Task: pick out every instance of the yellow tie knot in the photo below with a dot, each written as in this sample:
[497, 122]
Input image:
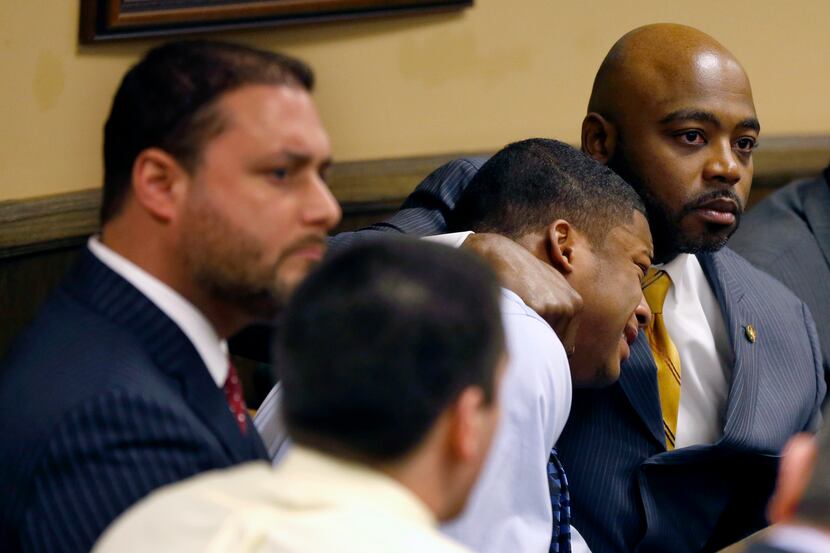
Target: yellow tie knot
[655, 287]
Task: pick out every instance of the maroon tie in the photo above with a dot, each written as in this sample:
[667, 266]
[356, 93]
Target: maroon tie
[233, 394]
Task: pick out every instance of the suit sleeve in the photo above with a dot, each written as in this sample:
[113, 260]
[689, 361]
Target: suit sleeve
[821, 386]
[103, 457]
[425, 211]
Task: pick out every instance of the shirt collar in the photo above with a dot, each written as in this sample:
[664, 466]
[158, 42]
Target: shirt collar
[676, 268]
[346, 483]
[211, 348]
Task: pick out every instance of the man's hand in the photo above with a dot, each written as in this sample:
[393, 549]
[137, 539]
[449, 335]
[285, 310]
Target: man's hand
[541, 286]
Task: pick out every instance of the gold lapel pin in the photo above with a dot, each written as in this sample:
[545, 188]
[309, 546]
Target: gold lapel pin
[749, 330]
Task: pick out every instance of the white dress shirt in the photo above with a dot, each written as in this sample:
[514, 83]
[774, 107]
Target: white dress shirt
[211, 348]
[509, 508]
[311, 503]
[696, 325]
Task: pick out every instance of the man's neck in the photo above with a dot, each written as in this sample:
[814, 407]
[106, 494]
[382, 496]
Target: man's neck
[152, 256]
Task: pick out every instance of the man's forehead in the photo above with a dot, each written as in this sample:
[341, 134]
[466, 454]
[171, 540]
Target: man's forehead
[634, 236]
[723, 102]
[276, 116]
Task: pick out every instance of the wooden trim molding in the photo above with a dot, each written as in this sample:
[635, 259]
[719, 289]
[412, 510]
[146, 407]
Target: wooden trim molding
[364, 188]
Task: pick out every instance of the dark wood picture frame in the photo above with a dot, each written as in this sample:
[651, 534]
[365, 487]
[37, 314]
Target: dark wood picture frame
[103, 20]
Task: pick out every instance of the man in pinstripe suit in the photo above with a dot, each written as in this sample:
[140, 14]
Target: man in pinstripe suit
[788, 236]
[672, 112]
[214, 208]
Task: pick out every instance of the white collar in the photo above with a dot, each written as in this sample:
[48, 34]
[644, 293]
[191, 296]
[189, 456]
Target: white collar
[211, 348]
[676, 268]
[332, 481]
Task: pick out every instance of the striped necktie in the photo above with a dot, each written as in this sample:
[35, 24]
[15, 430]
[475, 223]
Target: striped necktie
[655, 287]
[560, 501]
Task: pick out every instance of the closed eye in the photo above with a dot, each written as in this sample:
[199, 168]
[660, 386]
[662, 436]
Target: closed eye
[280, 173]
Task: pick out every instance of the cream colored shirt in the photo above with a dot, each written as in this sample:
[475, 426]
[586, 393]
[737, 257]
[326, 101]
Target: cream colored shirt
[695, 323]
[311, 503]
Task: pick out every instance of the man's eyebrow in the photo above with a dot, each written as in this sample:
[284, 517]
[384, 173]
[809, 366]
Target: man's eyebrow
[691, 115]
[298, 158]
[750, 123]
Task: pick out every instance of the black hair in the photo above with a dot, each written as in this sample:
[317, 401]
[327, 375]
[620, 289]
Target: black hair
[380, 340]
[166, 101]
[529, 184]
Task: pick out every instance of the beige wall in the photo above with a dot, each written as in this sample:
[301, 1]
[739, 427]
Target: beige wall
[503, 70]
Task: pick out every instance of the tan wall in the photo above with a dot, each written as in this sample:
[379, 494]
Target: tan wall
[503, 70]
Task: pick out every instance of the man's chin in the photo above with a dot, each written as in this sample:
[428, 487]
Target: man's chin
[705, 240]
[704, 244]
[601, 378]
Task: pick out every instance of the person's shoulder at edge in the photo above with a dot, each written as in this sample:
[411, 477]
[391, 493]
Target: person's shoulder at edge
[777, 221]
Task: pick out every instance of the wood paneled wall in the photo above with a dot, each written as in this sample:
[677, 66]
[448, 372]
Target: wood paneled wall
[40, 237]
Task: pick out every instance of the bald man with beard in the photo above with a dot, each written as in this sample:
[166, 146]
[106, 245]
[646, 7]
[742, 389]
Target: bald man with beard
[671, 110]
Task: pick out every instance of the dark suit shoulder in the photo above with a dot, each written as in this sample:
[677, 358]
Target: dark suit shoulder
[69, 353]
[778, 222]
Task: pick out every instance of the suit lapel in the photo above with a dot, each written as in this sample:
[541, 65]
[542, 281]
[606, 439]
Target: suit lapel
[817, 213]
[638, 380]
[728, 285]
[172, 352]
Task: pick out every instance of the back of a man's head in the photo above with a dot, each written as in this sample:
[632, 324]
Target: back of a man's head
[167, 100]
[529, 184]
[380, 341]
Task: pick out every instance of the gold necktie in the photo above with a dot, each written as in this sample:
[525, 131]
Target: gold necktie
[655, 287]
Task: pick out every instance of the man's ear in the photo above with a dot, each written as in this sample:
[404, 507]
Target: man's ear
[467, 417]
[599, 137]
[560, 239]
[158, 182]
[797, 463]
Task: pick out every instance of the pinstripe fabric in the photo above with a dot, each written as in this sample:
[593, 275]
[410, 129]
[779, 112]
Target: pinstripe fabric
[102, 400]
[627, 492]
[630, 494]
[788, 236]
[424, 212]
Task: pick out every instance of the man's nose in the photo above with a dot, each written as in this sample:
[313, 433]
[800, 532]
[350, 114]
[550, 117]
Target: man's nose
[723, 165]
[320, 207]
[643, 313]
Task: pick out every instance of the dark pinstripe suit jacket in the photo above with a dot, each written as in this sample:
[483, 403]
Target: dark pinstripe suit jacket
[788, 236]
[102, 400]
[627, 492]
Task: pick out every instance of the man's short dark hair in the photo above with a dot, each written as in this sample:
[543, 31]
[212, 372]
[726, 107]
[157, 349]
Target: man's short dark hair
[380, 340]
[167, 100]
[529, 184]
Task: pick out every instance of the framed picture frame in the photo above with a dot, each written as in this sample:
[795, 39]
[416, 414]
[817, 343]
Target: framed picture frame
[103, 20]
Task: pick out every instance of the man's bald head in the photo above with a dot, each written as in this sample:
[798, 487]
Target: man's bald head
[653, 58]
[671, 111]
